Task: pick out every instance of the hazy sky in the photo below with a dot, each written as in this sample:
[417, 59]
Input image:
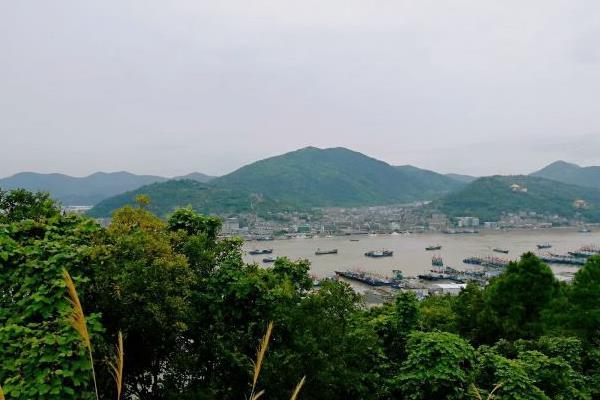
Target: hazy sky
[169, 87]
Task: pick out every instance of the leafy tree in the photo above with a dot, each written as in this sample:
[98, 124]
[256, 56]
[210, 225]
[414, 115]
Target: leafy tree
[394, 322]
[467, 307]
[143, 289]
[438, 366]
[554, 376]
[514, 301]
[494, 369]
[583, 313]
[437, 313]
[42, 357]
[19, 204]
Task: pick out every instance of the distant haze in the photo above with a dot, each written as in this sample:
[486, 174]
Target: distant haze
[167, 87]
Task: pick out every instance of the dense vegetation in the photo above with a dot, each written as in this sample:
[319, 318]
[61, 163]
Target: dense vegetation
[489, 197]
[571, 173]
[192, 315]
[302, 179]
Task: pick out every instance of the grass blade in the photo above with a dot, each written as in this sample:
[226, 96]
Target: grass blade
[297, 389]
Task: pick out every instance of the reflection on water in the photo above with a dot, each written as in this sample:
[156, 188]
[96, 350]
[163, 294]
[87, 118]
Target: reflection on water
[410, 255]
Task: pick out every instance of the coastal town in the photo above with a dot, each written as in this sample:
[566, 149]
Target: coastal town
[408, 218]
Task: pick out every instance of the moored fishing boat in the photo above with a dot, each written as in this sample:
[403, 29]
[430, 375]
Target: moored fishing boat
[379, 253]
[320, 252]
[435, 247]
[499, 250]
[257, 252]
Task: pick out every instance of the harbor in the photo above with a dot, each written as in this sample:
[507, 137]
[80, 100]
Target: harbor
[410, 256]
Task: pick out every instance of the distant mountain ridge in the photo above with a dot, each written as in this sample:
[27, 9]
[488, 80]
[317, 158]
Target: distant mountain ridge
[571, 173]
[305, 178]
[87, 190]
[462, 178]
[489, 197]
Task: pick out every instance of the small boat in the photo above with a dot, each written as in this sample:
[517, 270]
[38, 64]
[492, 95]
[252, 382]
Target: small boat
[544, 246]
[584, 229]
[256, 252]
[354, 240]
[379, 253]
[436, 247]
[320, 252]
[268, 260]
[499, 250]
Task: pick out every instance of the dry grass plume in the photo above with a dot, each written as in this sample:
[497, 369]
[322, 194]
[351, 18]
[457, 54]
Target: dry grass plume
[77, 321]
[117, 365]
[297, 389]
[260, 357]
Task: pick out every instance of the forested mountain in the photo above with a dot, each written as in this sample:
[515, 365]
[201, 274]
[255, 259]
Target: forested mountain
[196, 176]
[71, 190]
[87, 190]
[173, 194]
[461, 177]
[313, 177]
[301, 179]
[487, 198]
[571, 173]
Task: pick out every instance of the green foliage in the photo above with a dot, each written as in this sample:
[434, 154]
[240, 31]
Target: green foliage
[437, 313]
[19, 205]
[489, 197]
[467, 309]
[192, 314]
[493, 369]
[42, 357]
[514, 301]
[438, 366]
[583, 311]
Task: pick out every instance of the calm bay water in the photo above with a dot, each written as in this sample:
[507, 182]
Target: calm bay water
[410, 255]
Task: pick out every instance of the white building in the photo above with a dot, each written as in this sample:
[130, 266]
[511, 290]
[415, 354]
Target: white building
[447, 288]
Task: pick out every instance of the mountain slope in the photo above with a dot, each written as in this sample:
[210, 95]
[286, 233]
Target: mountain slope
[79, 191]
[196, 176]
[312, 177]
[571, 173]
[301, 179]
[487, 198]
[434, 183]
[461, 178]
[168, 196]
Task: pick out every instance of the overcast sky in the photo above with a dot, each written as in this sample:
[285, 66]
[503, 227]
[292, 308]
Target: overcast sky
[169, 87]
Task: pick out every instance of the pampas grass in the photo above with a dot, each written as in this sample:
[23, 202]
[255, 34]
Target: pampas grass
[297, 389]
[260, 357]
[117, 366]
[476, 393]
[77, 321]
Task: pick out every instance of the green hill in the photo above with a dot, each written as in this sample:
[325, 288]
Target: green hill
[71, 190]
[461, 177]
[571, 173]
[312, 177]
[171, 195]
[87, 190]
[301, 179]
[487, 198]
